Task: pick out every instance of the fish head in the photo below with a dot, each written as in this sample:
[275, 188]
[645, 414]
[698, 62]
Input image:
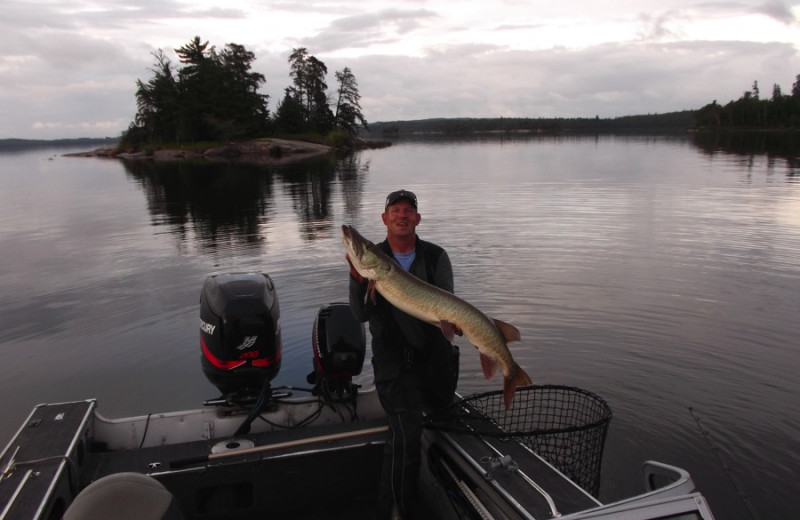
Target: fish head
[366, 257]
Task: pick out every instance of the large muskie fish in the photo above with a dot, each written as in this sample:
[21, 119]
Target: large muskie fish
[438, 307]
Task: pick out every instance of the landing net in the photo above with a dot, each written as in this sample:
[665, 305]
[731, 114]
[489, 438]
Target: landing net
[566, 426]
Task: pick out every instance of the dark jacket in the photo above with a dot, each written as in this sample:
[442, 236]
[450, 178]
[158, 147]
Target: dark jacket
[395, 333]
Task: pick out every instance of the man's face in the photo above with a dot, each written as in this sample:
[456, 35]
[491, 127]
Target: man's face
[401, 218]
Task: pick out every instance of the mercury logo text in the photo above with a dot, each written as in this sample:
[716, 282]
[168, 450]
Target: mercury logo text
[207, 327]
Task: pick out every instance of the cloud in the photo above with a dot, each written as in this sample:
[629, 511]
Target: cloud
[72, 67]
[369, 29]
[610, 80]
[214, 13]
[657, 27]
[777, 10]
[518, 27]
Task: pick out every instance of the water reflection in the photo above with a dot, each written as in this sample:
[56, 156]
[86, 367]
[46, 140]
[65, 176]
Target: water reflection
[310, 186]
[233, 205]
[747, 149]
[641, 268]
[775, 147]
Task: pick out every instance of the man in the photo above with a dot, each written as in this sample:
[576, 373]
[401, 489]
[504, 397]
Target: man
[416, 367]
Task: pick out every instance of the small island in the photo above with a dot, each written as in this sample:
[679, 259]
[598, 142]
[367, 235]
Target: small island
[210, 108]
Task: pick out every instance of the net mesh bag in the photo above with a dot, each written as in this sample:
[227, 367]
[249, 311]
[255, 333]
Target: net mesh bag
[566, 426]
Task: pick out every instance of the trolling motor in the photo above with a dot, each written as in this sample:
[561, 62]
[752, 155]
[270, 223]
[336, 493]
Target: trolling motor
[339, 342]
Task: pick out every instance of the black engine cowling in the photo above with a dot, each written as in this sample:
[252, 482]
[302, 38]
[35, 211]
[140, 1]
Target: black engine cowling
[240, 333]
[339, 343]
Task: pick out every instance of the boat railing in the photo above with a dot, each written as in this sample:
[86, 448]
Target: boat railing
[670, 493]
[666, 480]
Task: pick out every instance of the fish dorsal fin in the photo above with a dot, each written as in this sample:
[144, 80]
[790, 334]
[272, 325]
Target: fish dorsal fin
[509, 332]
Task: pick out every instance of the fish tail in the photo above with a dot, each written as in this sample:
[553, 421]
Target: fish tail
[517, 378]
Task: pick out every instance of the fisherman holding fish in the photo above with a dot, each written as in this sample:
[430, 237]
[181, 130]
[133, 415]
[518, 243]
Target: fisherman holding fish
[415, 365]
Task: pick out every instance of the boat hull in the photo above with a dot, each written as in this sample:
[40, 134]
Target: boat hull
[305, 458]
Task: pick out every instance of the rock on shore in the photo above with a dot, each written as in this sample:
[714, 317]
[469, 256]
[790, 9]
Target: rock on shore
[261, 151]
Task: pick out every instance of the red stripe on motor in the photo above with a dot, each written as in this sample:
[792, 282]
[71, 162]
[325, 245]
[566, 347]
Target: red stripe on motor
[265, 362]
[230, 365]
[219, 363]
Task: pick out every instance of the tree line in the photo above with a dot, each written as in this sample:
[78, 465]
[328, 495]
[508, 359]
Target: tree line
[214, 96]
[24, 144]
[671, 122]
[752, 111]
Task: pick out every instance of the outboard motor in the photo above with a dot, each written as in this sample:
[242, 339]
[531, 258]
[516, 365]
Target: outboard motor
[339, 343]
[240, 334]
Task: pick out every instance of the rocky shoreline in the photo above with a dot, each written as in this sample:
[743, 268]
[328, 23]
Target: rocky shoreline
[261, 151]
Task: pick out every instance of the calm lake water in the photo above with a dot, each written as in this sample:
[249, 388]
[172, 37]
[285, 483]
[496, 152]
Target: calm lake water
[662, 273]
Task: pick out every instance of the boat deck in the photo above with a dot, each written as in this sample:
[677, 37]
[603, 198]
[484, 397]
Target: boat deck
[298, 473]
[40, 462]
[331, 470]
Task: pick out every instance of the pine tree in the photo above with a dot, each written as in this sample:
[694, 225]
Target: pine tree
[348, 108]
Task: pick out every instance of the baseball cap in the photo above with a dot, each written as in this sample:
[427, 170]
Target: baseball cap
[401, 194]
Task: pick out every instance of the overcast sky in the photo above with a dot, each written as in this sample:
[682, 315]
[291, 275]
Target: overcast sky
[69, 68]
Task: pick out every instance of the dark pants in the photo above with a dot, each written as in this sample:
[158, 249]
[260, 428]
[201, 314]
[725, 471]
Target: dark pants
[418, 387]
